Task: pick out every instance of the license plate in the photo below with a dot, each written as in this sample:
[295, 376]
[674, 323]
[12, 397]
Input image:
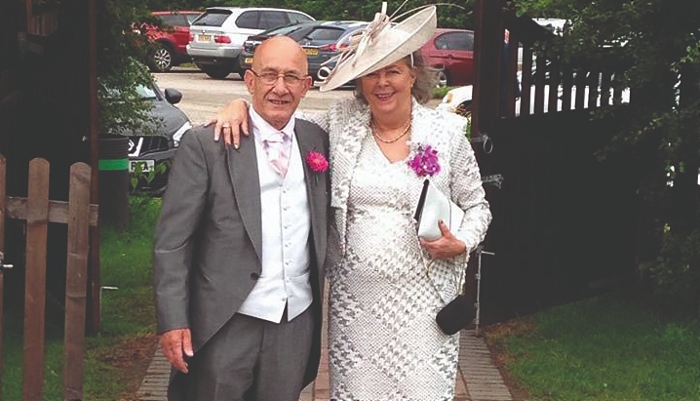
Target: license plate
[145, 165]
[248, 60]
[311, 52]
[204, 38]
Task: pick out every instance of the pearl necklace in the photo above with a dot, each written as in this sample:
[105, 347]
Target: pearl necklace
[392, 140]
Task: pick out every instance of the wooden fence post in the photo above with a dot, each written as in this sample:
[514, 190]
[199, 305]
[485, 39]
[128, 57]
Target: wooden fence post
[35, 287]
[76, 280]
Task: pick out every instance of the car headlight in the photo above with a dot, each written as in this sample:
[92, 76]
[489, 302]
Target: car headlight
[180, 132]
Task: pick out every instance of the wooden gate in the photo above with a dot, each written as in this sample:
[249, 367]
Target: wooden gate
[565, 223]
[38, 211]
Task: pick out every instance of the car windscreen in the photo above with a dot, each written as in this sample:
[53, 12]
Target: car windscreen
[325, 33]
[299, 34]
[271, 19]
[174, 20]
[146, 93]
[282, 30]
[455, 41]
[212, 18]
[143, 93]
[296, 18]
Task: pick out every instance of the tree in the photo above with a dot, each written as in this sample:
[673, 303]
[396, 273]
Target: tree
[121, 52]
[658, 44]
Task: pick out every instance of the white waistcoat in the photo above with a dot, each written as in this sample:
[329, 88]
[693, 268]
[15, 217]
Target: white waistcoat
[286, 225]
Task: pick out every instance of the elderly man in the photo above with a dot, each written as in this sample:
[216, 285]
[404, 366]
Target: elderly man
[240, 246]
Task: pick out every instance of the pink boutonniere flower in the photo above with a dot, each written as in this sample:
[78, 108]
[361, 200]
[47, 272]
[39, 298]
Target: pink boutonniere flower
[317, 162]
[425, 161]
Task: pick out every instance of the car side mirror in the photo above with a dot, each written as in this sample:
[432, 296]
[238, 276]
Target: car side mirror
[173, 96]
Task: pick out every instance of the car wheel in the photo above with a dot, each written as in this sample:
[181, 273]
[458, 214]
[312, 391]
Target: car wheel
[216, 72]
[442, 79]
[162, 59]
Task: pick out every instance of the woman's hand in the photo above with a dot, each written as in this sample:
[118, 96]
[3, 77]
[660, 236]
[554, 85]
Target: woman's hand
[445, 247]
[230, 122]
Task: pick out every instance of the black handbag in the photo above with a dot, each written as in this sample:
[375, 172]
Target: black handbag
[456, 315]
[433, 205]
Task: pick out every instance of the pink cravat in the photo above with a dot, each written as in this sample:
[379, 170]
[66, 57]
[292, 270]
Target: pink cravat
[278, 147]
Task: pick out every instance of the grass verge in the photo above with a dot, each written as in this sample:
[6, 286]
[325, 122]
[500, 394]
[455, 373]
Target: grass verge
[117, 358]
[608, 348]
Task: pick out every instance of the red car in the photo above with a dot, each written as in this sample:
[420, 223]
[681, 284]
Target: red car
[171, 39]
[452, 52]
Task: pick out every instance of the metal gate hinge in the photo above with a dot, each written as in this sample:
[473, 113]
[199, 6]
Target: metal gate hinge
[494, 179]
[4, 265]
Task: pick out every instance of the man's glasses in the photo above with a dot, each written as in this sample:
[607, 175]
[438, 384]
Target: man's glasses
[270, 78]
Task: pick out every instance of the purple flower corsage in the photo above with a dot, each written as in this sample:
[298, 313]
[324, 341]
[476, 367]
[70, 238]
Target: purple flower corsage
[425, 161]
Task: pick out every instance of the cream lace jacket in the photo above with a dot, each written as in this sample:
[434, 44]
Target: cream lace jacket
[348, 122]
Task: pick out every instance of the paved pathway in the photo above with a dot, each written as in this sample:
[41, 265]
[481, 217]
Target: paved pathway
[477, 379]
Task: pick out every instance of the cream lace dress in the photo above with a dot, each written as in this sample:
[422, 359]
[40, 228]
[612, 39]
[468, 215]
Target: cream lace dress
[384, 343]
[383, 339]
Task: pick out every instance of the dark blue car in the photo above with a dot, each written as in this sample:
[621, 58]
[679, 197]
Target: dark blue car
[319, 40]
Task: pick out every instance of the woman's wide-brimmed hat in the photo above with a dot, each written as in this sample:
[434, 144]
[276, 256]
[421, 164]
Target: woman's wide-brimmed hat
[381, 43]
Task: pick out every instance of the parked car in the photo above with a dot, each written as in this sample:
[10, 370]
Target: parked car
[171, 38]
[319, 39]
[457, 100]
[452, 52]
[152, 147]
[217, 36]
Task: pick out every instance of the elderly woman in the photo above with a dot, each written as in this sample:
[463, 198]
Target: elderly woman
[387, 284]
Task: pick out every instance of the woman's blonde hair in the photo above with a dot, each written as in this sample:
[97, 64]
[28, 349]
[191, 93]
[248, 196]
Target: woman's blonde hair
[426, 78]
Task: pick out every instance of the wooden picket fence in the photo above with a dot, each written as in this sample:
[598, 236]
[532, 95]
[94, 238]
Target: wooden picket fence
[38, 211]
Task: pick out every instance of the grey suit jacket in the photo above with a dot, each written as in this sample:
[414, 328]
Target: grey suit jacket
[208, 241]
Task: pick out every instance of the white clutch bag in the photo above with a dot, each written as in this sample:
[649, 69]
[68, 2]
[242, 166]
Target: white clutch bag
[433, 206]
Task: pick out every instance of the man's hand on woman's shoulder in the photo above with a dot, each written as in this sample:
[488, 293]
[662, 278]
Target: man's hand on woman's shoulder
[230, 122]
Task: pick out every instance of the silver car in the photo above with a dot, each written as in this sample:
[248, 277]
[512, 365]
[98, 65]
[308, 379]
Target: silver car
[217, 36]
